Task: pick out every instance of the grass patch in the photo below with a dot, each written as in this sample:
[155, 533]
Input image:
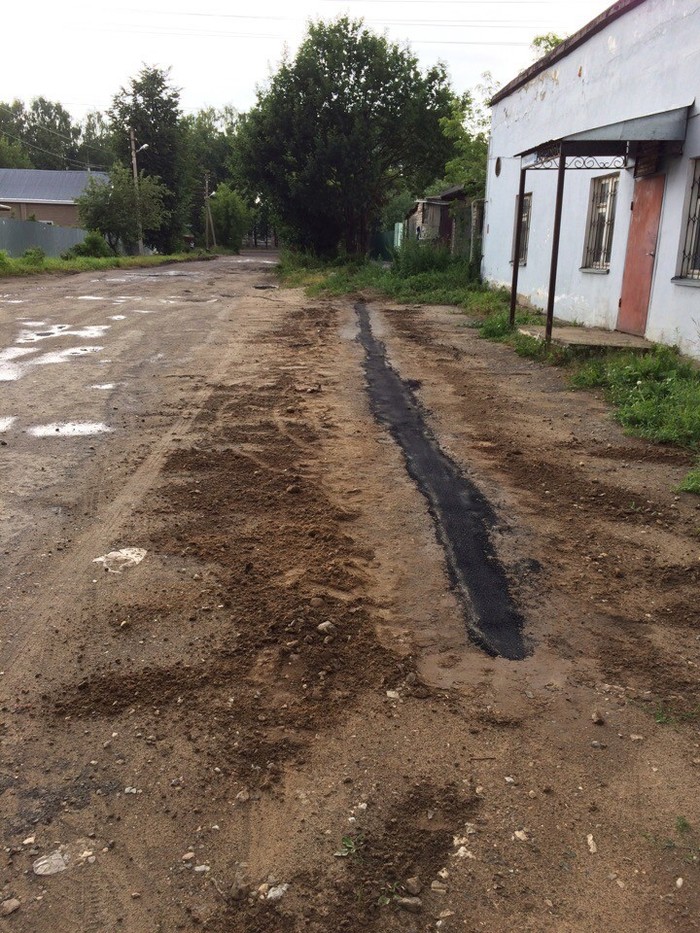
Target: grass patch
[36, 262]
[656, 396]
[420, 274]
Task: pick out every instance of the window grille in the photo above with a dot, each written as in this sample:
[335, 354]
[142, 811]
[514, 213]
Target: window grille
[601, 223]
[690, 260]
[524, 227]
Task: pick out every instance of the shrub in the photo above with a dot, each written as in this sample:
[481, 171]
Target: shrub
[34, 256]
[4, 259]
[93, 245]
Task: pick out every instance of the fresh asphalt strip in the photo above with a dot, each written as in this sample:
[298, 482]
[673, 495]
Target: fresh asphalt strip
[462, 515]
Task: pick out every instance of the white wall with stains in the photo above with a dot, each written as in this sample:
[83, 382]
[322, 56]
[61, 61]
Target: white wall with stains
[646, 61]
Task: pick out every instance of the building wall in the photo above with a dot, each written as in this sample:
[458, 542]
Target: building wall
[63, 215]
[646, 61]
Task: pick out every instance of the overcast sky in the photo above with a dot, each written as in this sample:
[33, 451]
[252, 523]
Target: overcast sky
[81, 53]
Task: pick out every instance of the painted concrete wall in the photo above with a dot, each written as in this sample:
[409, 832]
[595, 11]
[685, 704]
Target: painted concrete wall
[645, 62]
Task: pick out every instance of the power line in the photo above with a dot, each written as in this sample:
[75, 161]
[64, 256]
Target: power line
[65, 138]
[55, 155]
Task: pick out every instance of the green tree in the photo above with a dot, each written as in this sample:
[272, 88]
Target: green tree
[231, 217]
[12, 154]
[338, 130]
[209, 137]
[113, 210]
[546, 43]
[468, 128]
[13, 122]
[150, 105]
[51, 135]
[95, 148]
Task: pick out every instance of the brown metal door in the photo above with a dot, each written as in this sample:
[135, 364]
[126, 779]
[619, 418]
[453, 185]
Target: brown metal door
[641, 250]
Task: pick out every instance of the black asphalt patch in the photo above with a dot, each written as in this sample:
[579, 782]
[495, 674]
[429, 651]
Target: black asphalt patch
[462, 515]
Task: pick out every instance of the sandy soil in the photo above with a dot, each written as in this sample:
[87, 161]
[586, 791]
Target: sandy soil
[202, 755]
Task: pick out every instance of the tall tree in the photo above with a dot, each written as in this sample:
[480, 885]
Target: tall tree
[51, 135]
[95, 148]
[209, 137]
[337, 128]
[13, 123]
[150, 105]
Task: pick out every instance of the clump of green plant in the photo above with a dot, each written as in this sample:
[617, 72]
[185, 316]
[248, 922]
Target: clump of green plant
[5, 260]
[350, 847]
[94, 245]
[413, 258]
[691, 482]
[657, 396]
[34, 256]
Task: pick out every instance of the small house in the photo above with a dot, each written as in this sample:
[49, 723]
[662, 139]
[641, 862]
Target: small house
[46, 196]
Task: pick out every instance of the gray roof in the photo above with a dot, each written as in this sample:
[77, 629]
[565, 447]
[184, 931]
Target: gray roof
[41, 186]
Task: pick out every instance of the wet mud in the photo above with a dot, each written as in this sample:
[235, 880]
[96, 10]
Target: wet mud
[463, 517]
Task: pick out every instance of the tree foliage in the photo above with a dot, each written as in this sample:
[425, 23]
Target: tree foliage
[468, 128]
[13, 155]
[150, 105]
[209, 137]
[51, 134]
[338, 130]
[112, 208]
[544, 44]
[231, 217]
[44, 136]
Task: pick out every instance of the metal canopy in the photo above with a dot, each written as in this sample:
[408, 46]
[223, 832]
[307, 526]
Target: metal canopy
[645, 138]
[612, 140]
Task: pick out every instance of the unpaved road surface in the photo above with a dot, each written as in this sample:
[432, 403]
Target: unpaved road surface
[196, 753]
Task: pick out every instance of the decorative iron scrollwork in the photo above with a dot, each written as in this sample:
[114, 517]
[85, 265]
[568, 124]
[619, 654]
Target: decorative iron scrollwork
[549, 162]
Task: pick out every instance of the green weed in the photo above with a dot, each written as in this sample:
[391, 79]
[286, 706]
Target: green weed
[34, 265]
[657, 396]
[350, 847]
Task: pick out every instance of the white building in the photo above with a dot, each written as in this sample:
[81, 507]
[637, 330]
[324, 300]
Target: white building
[613, 112]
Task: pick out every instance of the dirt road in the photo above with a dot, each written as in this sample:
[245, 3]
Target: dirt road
[277, 721]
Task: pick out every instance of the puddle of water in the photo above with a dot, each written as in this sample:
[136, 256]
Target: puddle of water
[61, 356]
[142, 310]
[34, 336]
[117, 317]
[265, 262]
[10, 372]
[90, 298]
[6, 423]
[70, 429]
[462, 515]
[12, 301]
[104, 385]
[27, 323]
[13, 353]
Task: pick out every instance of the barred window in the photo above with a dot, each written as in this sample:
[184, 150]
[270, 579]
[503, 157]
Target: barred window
[601, 223]
[690, 259]
[524, 227]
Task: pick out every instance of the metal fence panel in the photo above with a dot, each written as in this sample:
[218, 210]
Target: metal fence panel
[18, 235]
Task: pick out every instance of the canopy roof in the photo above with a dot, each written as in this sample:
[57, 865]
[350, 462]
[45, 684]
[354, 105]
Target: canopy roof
[668, 126]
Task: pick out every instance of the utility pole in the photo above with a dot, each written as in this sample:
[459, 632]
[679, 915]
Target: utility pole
[208, 219]
[135, 170]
